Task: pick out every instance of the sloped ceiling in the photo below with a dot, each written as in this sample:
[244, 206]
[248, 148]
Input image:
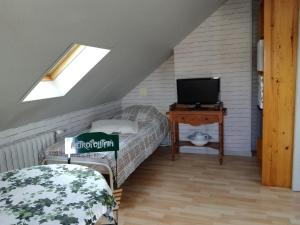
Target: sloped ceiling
[140, 33]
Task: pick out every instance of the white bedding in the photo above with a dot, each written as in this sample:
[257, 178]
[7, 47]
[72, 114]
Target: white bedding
[115, 125]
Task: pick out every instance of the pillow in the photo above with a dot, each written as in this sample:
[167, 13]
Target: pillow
[140, 113]
[114, 125]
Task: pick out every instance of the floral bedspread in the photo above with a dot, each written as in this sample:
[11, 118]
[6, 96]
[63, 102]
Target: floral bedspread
[55, 194]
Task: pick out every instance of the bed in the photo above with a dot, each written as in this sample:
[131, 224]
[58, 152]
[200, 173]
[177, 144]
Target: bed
[134, 148]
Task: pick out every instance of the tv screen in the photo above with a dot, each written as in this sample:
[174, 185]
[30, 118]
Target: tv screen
[198, 91]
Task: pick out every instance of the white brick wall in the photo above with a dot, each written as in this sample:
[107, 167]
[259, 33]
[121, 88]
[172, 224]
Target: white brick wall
[70, 123]
[160, 87]
[221, 46]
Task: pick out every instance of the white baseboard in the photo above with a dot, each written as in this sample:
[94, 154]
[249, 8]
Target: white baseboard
[239, 153]
[210, 151]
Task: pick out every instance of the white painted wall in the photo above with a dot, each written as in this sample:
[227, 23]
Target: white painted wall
[221, 45]
[140, 34]
[296, 163]
[71, 123]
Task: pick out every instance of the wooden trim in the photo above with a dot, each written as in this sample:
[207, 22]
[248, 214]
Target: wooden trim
[261, 20]
[63, 62]
[280, 61]
[259, 151]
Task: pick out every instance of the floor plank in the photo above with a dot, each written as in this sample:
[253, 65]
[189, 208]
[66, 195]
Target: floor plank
[195, 189]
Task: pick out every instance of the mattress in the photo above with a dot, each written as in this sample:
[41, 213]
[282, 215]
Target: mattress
[134, 148]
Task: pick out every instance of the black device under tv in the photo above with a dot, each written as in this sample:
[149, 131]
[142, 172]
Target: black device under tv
[198, 91]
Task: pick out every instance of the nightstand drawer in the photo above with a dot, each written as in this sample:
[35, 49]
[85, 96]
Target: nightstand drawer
[196, 120]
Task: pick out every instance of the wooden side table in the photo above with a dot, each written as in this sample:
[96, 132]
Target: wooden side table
[195, 117]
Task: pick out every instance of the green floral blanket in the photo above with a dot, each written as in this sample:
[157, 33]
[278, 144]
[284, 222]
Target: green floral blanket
[54, 194]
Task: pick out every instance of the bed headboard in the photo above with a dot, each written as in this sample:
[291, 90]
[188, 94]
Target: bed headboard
[25, 153]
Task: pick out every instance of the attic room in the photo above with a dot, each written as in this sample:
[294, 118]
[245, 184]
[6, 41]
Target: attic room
[143, 112]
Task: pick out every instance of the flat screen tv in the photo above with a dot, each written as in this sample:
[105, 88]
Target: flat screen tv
[198, 91]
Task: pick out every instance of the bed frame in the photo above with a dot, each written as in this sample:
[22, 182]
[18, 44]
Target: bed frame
[101, 168]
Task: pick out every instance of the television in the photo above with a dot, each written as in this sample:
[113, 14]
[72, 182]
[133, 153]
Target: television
[198, 91]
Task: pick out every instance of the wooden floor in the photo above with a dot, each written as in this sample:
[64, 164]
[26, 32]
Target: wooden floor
[195, 189]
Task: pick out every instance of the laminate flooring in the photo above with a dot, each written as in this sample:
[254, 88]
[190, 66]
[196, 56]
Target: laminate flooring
[195, 189]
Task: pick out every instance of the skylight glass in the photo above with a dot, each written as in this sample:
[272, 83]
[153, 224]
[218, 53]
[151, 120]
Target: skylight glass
[67, 72]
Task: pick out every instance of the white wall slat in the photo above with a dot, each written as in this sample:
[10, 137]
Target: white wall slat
[221, 45]
[70, 123]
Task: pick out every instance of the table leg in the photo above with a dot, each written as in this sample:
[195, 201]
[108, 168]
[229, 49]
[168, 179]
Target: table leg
[173, 140]
[221, 142]
[177, 137]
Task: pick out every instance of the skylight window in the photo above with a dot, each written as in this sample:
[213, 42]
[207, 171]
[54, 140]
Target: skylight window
[67, 72]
